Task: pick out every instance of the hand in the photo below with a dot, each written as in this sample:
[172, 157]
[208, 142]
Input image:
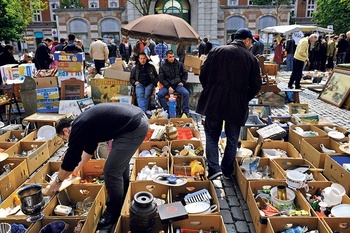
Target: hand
[137, 83]
[308, 63]
[171, 90]
[180, 84]
[76, 172]
[54, 187]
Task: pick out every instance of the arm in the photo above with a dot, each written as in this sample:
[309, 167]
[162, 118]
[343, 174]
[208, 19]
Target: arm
[106, 52]
[133, 78]
[162, 78]
[184, 73]
[85, 157]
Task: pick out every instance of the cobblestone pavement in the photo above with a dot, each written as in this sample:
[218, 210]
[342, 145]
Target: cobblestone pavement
[233, 208]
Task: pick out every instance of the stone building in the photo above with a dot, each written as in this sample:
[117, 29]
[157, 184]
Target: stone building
[217, 19]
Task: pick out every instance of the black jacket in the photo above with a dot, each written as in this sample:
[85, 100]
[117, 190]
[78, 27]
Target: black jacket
[112, 50]
[151, 70]
[230, 77]
[72, 48]
[7, 58]
[122, 50]
[42, 57]
[290, 46]
[171, 74]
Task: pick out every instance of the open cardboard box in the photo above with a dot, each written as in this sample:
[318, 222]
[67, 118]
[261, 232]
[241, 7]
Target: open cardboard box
[148, 145]
[13, 179]
[35, 159]
[178, 145]
[337, 224]
[10, 134]
[141, 162]
[243, 182]
[204, 222]
[311, 150]
[93, 169]
[337, 173]
[296, 139]
[338, 128]
[284, 163]
[181, 166]
[286, 146]
[27, 225]
[71, 223]
[178, 193]
[43, 173]
[157, 190]
[78, 193]
[123, 225]
[259, 220]
[278, 224]
[53, 144]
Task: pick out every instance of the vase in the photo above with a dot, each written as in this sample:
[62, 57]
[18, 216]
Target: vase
[32, 202]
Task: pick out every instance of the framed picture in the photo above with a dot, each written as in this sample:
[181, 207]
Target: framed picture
[85, 104]
[298, 108]
[337, 88]
[254, 101]
[260, 110]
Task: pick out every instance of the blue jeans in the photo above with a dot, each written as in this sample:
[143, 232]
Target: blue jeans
[289, 61]
[179, 89]
[143, 95]
[213, 128]
[116, 169]
[112, 60]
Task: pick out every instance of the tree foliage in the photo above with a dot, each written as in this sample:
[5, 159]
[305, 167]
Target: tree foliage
[15, 15]
[142, 6]
[333, 12]
[71, 4]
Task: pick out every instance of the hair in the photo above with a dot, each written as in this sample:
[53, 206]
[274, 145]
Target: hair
[62, 40]
[348, 33]
[205, 39]
[71, 37]
[9, 47]
[169, 52]
[143, 54]
[63, 123]
[314, 36]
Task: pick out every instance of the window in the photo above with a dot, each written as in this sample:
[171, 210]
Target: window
[53, 5]
[93, 4]
[310, 8]
[232, 2]
[112, 3]
[233, 24]
[110, 29]
[36, 16]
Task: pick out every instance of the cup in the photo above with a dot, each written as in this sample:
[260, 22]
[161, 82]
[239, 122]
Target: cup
[282, 192]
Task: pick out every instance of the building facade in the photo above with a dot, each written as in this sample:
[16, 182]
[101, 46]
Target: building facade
[216, 19]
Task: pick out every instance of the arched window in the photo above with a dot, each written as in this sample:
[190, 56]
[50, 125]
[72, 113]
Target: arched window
[179, 8]
[79, 28]
[233, 24]
[110, 29]
[267, 21]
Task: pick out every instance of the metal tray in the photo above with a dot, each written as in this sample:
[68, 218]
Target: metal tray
[254, 121]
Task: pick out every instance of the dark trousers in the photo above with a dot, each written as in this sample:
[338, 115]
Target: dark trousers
[297, 73]
[213, 129]
[98, 65]
[330, 63]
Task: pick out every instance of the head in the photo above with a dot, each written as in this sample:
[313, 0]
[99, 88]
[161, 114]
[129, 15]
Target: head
[283, 41]
[244, 35]
[257, 37]
[80, 43]
[342, 36]
[170, 56]
[109, 41]
[348, 35]
[63, 128]
[10, 48]
[100, 39]
[313, 38]
[62, 40]
[142, 58]
[205, 39]
[48, 42]
[71, 37]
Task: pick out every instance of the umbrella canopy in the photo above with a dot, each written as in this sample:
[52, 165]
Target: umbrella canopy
[287, 29]
[161, 27]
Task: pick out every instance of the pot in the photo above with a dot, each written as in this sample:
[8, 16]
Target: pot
[201, 207]
[296, 179]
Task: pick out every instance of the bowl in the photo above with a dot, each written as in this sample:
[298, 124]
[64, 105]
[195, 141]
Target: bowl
[275, 201]
[295, 179]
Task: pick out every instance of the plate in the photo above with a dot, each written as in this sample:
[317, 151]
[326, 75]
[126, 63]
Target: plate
[342, 210]
[244, 152]
[197, 207]
[160, 179]
[3, 156]
[336, 135]
[46, 132]
[345, 148]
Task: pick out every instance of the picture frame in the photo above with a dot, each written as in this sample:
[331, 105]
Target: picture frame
[337, 88]
[85, 104]
[298, 109]
[260, 110]
[254, 101]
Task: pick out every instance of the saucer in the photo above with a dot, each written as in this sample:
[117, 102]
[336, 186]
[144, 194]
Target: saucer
[345, 148]
[336, 135]
[342, 210]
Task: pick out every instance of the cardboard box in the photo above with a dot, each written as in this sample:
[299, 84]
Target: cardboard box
[68, 57]
[193, 62]
[282, 121]
[123, 225]
[334, 224]
[71, 223]
[93, 169]
[157, 145]
[97, 193]
[260, 221]
[243, 181]
[27, 69]
[286, 146]
[47, 93]
[46, 82]
[102, 90]
[284, 163]
[311, 150]
[179, 145]
[53, 144]
[13, 179]
[11, 134]
[35, 159]
[179, 192]
[10, 73]
[157, 190]
[181, 167]
[204, 222]
[141, 162]
[337, 173]
[42, 174]
[115, 73]
[337, 127]
[70, 66]
[296, 139]
[278, 224]
[27, 225]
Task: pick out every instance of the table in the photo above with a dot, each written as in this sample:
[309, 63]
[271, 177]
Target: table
[45, 118]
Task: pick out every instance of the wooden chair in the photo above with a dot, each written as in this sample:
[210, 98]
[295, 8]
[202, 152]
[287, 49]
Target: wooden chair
[8, 90]
[268, 85]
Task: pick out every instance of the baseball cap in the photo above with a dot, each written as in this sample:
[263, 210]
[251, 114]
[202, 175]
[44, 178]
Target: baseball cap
[256, 36]
[48, 39]
[243, 33]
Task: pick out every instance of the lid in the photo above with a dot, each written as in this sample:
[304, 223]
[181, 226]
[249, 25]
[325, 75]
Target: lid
[197, 207]
[296, 176]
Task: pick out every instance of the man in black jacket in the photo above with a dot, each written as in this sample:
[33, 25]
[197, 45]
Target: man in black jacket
[71, 47]
[112, 48]
[61, 45]
[42, 55]
[230, 77]
[173, 76]
[144, 78]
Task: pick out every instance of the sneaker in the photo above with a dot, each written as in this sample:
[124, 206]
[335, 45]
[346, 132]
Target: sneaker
[290, 87]
[107, 218]
[215, 175]
[227, 177]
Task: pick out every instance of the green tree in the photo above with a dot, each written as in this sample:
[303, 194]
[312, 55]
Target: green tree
[71, 4]
[142, 6]
[333, 12]
[15, 15]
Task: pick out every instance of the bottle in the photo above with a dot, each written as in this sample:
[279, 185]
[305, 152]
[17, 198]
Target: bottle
[172, 106]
